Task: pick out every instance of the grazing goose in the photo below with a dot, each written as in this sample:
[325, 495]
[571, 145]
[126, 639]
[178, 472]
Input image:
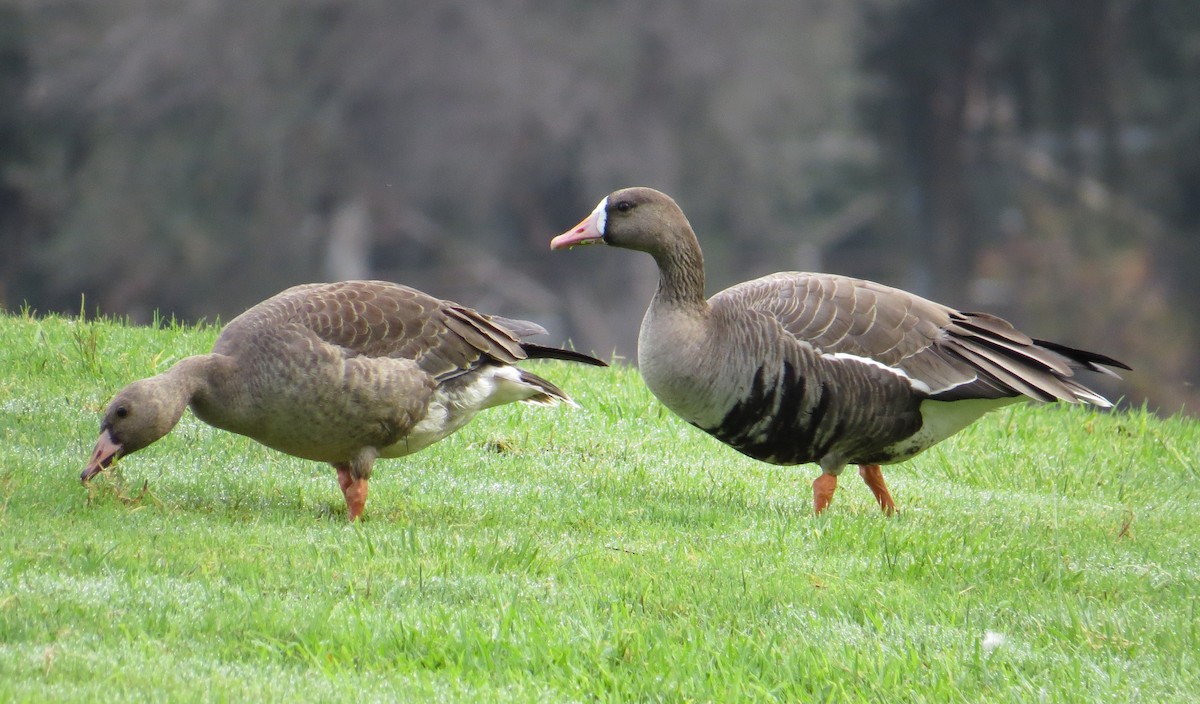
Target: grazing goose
[342, 373]
[797, 367]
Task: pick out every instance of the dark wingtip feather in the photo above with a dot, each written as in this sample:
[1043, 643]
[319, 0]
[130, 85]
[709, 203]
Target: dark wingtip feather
[543, 352]
[1088, 360]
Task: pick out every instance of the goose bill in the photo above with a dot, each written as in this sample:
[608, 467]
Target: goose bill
[589, 231]
[103, 454]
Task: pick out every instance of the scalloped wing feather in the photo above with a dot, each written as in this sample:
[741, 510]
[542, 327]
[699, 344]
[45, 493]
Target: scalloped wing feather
[956, 355]
[383, 319]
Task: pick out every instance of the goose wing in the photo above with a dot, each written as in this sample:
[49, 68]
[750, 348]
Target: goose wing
[949, 354]
[378, 319]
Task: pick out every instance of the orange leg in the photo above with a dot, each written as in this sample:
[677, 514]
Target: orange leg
[823, 488]
[873, 476]
[355, 491]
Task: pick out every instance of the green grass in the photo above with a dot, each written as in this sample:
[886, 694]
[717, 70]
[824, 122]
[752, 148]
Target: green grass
[612, 553]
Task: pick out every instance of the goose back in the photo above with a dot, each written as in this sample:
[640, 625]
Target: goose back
[947, 354]
[378, 319]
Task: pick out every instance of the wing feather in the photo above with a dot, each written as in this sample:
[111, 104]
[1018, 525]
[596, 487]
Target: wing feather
[382, 319]
[957, 355]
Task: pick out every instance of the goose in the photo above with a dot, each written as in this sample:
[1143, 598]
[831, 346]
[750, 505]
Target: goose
[796, 368]
[343, 373]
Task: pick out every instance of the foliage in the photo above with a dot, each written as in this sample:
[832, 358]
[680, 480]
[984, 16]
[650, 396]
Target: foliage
[205, 155]
[1029, 158]
[611, 553]
[1039, 150]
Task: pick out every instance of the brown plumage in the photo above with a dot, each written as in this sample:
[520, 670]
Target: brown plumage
[797, 367]
[342, 373]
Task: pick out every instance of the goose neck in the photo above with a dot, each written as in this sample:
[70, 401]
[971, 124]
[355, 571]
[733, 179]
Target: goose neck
[196, 376]
[681, 275]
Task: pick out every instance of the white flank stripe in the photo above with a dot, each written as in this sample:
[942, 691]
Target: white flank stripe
[944, 389]
[846, 357]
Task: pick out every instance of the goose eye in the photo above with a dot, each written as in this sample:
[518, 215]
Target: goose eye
[122, 411]
[624, 206]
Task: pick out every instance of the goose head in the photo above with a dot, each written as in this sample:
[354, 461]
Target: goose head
[139, 415]
[642, 219]
[649, 221]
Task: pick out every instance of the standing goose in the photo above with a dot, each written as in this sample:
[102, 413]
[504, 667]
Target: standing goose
[342, 373]
[798, 367]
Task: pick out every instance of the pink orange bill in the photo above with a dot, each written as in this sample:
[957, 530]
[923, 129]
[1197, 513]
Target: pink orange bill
[103, 454]
[589, 231]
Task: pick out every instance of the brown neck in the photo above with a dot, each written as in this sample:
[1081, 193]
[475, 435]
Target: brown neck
[197, 376]
[681, 272]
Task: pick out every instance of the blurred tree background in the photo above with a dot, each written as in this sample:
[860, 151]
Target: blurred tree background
[1039, 159]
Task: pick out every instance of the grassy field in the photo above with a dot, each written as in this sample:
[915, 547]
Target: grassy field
[611, 553]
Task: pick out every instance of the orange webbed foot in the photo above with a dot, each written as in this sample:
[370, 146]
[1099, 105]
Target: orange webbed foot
[823, 488]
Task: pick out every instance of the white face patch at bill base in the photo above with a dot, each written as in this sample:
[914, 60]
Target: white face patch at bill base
[846, 357]
[601, 215]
